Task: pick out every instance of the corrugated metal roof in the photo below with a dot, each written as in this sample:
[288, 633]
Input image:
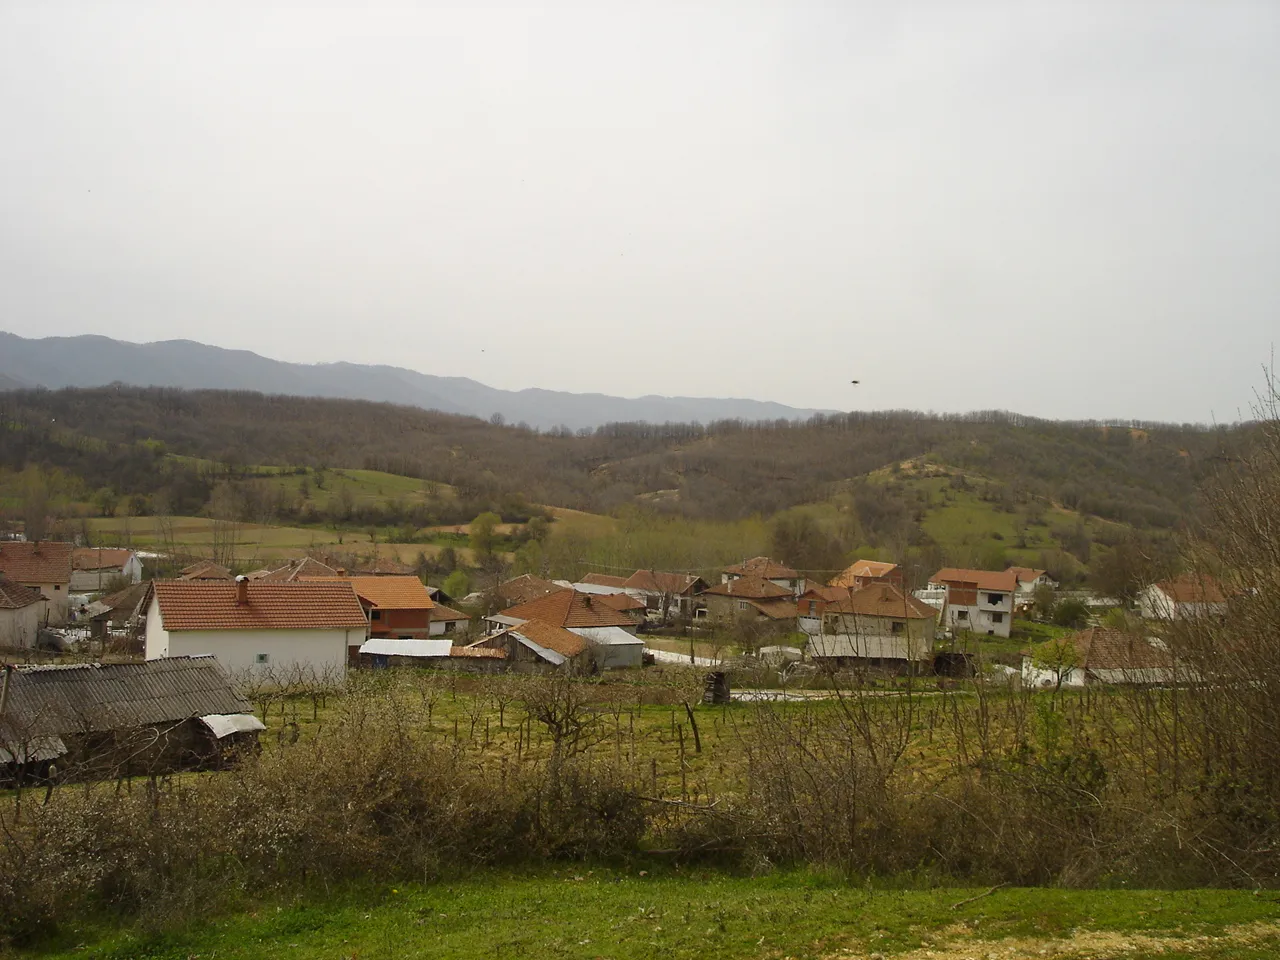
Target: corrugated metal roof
[391, 647]
[607, 636]
[78, 698]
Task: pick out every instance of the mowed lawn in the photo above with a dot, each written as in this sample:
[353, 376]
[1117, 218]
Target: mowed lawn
[661, 911]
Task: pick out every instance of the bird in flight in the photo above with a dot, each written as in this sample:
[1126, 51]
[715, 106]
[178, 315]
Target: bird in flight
[855, 382]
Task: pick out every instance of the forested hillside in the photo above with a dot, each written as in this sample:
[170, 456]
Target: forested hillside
[1143, 475]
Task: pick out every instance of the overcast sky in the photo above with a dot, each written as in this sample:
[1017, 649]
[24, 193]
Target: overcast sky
[1067, 209]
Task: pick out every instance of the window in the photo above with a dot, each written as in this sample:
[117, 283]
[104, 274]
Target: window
[743, 605]
[262, 658]
[898, 626]
[995, 599]
[813, 608]
[376, 615]
[997, 618]
[57, 586]
[962, 614]
[448, 626]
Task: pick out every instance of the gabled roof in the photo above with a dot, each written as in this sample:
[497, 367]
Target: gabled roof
[14, 596]
[100, 558]
[306, 568]
[550, 637]
[204, 570]
[762, 567]
[386, 567]
[1026, 574]
[441, 613]
[125, 602]
[749, 588]
[300, 605]
[84, 697]
[1102, 648]
[40, 561]
[861, 568]
[1004, 581]
[604, 580]
[883, 600]
[568, 608]
[782, 608]
[1193, 588]
[524, 588]
[817, 591]
[659, 581]
[619, 601]
[390, 593]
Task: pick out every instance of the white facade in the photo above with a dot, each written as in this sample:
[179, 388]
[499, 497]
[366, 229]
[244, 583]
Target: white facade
[18, 628]
[95, 581]
[612, 647]
[1155, 604]
[991, 615]
[323, 650]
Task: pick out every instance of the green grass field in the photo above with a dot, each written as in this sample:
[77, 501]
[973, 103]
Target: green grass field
[643, 911]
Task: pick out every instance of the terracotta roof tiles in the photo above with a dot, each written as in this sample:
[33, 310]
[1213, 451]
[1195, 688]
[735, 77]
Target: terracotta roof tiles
[43, 561]
[861, 569]
[1193, 588]
[749, 588]
[1005, 581]
[568, 608]
[100, 558]
[14, 596]
[762, 567]
[883, 600]
[389, 592]
[300, 605]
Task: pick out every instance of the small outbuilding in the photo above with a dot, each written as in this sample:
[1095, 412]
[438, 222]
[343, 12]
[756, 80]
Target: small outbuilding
[94, 720]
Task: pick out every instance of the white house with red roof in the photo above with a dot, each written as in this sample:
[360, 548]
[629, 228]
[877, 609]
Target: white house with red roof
[1181, 598]
[251, 625]
[93, 568]
[978, 600]
[43, 565]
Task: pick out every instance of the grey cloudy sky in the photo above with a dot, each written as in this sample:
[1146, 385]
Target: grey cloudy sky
[1068, 209]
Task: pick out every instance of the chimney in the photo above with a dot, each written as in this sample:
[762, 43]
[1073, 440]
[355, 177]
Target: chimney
[342, 571]
[242, 591]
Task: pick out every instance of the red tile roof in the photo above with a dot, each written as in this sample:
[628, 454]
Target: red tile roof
[762, 567]
[204, 570]
[619, 601]
[1027, 574]
[99, 558]
[883, 600]
[478, 652]
[524, 588]
[749, 588]
[568, 608]
[300, 605]
[861, 569]
[386, 567]
[1005, 581]
[604, 580]
[816, 591]
[552, 637]
[440, 613]
[390, 593]
[1193, 588]
[783, 608]
[1102, 648]
[14, 596]
[43, 561]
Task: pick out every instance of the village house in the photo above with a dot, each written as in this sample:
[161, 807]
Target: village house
[862, 573]
[1029, 581]
[92, 720]
[749, 597]
[22, 614]
[397, 607]
[251, 626]
[205, 570]
[1098, 655]
[978, 600]
[123, 611]
[665, 595]
[766, 569]
[537, 645]
[1184, 597]
[878, 624]
[43, 565]
[385, 567]
[446, 621]
[566, 608]
[93, 569]
[524, 589]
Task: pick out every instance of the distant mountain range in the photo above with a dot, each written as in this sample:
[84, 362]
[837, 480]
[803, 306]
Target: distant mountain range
[91, 361]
